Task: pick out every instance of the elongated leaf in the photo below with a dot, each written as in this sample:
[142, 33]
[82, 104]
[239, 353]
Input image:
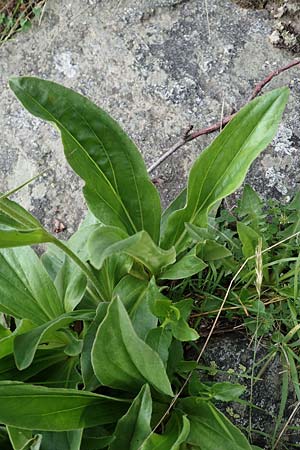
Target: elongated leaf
[43, 360]
[118, 189]
[26, 290]
[221, 168]
[95, 439]
[249, 239]
[160, 339]
[178, 203]
[71, 284]
[136, 295]
[89, 379]
[120, 365]
[176, 433]
[106, 241]
[251, 206]
[211, 251]
[7, 343]
[210, 429]
[65, 440]
[114, 269]
[133, 428]
[26, 345]
[186, 267]
[23, 439]
[35, 407]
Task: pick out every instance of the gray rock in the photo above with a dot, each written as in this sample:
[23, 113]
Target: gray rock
[230, 357]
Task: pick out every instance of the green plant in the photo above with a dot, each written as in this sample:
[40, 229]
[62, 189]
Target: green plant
[91, 352]
[17, 16]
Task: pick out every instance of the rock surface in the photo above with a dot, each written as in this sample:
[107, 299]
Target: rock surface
[230, 357]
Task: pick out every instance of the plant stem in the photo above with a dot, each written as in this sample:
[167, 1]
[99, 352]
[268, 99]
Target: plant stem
[85, 269]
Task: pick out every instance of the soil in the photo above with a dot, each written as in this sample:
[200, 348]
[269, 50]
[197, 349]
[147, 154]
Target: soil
[286, 15]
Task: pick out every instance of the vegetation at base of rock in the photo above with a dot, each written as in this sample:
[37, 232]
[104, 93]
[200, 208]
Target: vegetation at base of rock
[94, 332]
[17, 15]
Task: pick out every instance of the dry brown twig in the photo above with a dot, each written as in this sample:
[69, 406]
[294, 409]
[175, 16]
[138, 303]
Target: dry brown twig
[190, 136]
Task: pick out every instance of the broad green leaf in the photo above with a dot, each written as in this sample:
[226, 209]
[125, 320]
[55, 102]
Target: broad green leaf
[53, 260]
[221, 168]
[198, 234]
[118, 189]
[7, 343]
[136, 295]
[186, 267]
[95, 439]
[71, 284]
[160, 339]
[223, 391]
[114, 269]
[64, 374]
[211, 251]
[127, 363]
[26, 345]
[43, 361]
[210, 429]
[107, 241]
[133, 428]
[178, 203]
[89, 379]
[23, 439]
[49, 409]
[251, 206]
[249, 239]
[183, 332]
[65, 440]
[177, 431]
[26, 290]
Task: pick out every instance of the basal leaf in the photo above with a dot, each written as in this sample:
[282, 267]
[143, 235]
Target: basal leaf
[187, 266]
[127, 363]
[249, 239]
[136, 295]
[210, 429]
[36, 407]
[107, 241]
[176, 433]
[118, 189]
[25, 345]
[26, 290]
[71, 284]
[211, 251]
[7, 343]
[23, 439]
[64, 440]
[221, 168]
[133, 428]
[89, 379]
[160, 339]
